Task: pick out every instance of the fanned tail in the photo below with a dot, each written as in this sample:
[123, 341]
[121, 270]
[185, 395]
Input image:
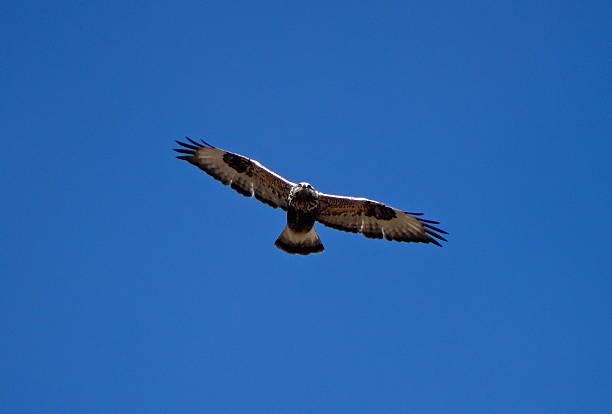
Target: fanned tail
[299, 243]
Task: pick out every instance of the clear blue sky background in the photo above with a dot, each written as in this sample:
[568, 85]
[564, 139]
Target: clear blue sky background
[133, 283]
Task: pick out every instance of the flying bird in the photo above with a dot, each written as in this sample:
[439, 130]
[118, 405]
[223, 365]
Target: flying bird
[305, 205]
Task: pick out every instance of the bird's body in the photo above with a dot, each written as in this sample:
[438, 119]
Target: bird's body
[305, 205]
[300, 236]
[302, 210]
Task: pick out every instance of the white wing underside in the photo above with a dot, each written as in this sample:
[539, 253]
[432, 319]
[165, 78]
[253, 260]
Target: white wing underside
[248, 177]
[375, 220]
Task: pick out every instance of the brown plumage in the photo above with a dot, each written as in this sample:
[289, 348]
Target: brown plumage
[305, 205]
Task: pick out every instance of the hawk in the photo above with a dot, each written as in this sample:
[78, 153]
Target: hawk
[305, 205]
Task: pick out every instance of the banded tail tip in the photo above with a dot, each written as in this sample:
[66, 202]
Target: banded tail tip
[293, 242]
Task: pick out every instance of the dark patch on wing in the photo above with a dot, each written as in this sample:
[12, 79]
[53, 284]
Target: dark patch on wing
[238, 163]
[379, 211]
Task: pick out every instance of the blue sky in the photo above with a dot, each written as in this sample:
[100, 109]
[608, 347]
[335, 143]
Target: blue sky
[132, 282]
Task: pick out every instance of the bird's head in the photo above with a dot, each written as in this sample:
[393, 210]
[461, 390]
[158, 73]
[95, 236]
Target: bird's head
[305, 185]
[305, 188]
[303, 196]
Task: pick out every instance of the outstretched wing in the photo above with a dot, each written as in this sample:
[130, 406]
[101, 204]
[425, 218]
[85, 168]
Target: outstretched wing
[375, 220]
[246, 176]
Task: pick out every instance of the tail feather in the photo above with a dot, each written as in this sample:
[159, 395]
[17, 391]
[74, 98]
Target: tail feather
[299, 243]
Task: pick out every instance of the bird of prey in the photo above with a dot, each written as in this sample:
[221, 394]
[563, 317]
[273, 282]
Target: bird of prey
[305, 205]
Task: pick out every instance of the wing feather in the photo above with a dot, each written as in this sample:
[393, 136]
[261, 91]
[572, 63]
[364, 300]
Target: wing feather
[375, 220]
[246, 176]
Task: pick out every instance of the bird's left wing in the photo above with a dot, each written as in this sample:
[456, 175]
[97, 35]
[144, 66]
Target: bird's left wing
[375, 220]
[246, 176]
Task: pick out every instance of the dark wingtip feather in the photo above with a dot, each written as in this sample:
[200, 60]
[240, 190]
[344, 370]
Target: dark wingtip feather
[183, 151]
[197, 144]
[434, 241]
[428, 227]
[428, 221]
[184, 144]
[436, 235]
[206, 143]
[183, 157]
[435, 228]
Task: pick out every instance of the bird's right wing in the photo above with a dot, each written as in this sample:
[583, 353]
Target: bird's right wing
[246, 176]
